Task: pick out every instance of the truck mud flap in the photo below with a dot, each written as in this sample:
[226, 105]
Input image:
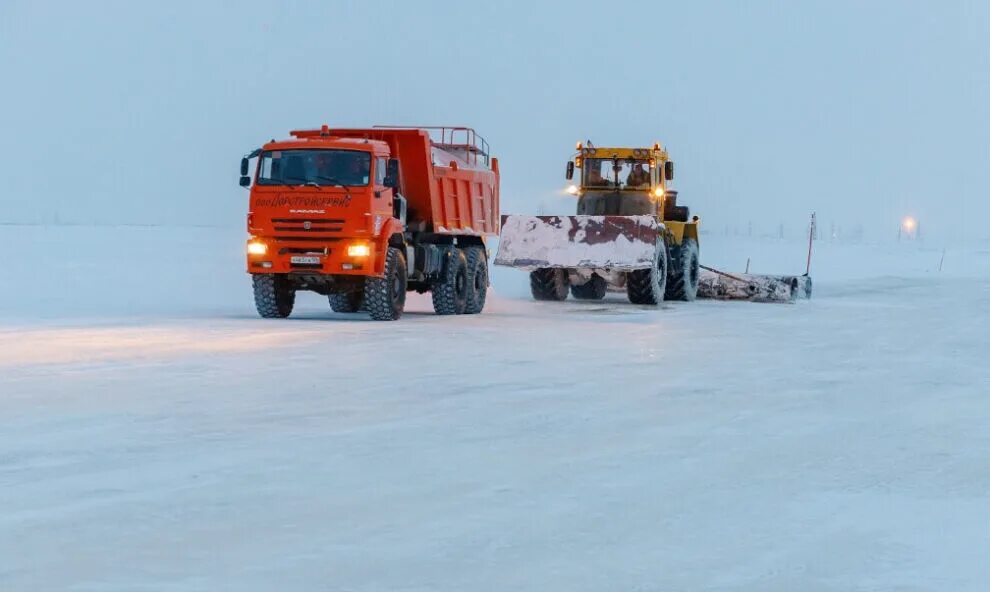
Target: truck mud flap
[719, 285]
[620, 243]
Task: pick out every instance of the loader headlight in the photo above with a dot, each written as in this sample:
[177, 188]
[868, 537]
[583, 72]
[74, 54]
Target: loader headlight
[256, 247]
[358, 250]
[572, 189]
[658, 192]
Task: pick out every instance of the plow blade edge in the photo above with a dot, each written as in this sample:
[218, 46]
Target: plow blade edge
[621, 243]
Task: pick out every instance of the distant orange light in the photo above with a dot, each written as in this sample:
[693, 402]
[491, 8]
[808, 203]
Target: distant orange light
[909, 223]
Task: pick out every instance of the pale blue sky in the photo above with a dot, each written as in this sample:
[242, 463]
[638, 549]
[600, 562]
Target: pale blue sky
[864, 111]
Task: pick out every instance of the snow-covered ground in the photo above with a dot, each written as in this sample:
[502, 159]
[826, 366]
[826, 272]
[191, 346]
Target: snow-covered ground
[156, 435]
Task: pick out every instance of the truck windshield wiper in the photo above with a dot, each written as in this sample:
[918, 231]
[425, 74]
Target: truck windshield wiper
[332, 180]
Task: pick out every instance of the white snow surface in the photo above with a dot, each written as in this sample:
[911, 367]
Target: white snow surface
[156, 435]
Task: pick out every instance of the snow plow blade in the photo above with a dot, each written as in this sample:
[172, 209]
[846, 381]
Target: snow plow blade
[621, 243]
[719, 285]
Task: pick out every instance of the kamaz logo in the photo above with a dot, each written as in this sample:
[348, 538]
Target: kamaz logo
[307, 225]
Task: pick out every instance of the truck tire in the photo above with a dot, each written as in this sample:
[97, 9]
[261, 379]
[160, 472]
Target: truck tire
[684, 273]
[647, 286]
[450, 294]
[593, 289]
[477, 270]
[346, 301]
[385, 297]
[549, 284]
[273, 295]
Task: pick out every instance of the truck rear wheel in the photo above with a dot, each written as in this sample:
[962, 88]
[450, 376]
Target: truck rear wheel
[549, 284]
[385, 297]
[683, 282]
[593, 289]
[647, 286]
[346, 301]
[273, 295]
[450, 294]
[477, 270]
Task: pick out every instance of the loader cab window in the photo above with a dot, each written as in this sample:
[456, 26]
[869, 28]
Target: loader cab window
[348, 168]
[623, 173]
[597, 172]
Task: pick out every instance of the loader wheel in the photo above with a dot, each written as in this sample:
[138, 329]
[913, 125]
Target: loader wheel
[594, 289]
[477, 273]
[346, 301]
[683, 282]
[273, 295]
[450, 294]
[549, 284]
[385, 297]
[647, 286]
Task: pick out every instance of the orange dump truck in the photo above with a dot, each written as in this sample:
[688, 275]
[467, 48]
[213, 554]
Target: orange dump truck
[364, 215]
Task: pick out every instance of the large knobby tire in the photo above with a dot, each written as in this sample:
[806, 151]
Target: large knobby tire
[477, 270]
[346, 301]
[593, 289]
[273, 295]
[549, 284]
[647, 286]
[385, 297]
[684, 272]
[450, 294]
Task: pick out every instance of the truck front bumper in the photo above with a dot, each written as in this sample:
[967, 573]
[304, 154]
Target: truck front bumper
[339, 256]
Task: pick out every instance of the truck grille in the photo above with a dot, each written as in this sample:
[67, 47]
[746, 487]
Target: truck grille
[308, 224]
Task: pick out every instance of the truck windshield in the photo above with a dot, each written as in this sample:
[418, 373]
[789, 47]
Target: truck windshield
[623, 173]
[320, 167]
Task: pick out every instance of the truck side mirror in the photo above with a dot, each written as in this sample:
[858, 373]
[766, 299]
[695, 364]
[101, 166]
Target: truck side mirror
[668, 170]
[245, 181]
[391, 179]
[570, 170]
[244, 166]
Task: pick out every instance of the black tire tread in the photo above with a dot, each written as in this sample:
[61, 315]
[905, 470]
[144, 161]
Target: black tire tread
[446, 299]
[477, 265]
[346, 301]
[273, 296]
[548, 284]
[593, 289]
[378, 296]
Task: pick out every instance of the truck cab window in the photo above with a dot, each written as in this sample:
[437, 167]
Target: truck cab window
[380, 169]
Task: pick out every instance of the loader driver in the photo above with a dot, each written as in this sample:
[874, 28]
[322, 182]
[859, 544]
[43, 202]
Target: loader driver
[638, 177]
[594, 177]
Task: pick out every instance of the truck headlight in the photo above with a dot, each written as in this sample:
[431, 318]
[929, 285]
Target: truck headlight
[255, 247]
[358, 250]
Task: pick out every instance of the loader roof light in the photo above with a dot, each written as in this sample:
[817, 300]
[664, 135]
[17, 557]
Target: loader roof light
[572, 189]
[579, 146]
[358, 250]
[256, 247]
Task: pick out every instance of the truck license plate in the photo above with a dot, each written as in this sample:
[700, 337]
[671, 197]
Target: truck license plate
[306, 260]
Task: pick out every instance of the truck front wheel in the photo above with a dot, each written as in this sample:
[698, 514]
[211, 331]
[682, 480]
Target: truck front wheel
[450, 294]
[273, 295]
[385, 297]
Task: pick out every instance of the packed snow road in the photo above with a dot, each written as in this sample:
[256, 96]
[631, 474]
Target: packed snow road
[155, 435]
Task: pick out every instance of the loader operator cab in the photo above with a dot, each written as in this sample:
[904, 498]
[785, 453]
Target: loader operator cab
[617, 185]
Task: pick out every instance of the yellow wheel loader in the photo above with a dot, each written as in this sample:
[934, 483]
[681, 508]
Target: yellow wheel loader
[629, 233]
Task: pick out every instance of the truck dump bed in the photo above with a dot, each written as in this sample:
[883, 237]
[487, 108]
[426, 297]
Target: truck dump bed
[448, 179]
